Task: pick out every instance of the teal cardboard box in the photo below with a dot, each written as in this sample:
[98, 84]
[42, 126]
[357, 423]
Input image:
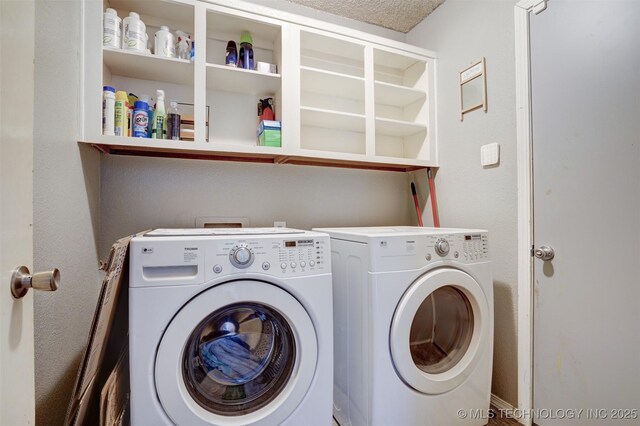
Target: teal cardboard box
[269, 133]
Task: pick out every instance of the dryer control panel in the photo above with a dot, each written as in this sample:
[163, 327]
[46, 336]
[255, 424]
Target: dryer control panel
[415, 251]
[471, 247]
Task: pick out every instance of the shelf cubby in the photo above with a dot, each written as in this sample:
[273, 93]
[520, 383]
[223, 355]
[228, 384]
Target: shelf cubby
[143, 66]
[232, 93]
[331, 54]
[229, 79]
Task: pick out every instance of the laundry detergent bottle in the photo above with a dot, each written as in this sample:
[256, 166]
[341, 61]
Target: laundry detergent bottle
[245, 56]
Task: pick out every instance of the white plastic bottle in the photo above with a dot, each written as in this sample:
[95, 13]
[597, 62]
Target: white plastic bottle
[165, 43]
[108, 110]
[159, 127]
[111, 29]
[134, 33]
[183, 45]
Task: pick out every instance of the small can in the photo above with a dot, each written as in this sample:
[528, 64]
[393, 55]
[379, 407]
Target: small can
[140, 120]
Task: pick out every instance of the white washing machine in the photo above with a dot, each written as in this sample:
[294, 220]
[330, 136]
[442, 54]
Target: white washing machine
[231, 327]
[413, 326]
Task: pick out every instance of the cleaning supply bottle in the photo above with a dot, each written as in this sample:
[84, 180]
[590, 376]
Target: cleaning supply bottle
[134, 33]
[183, 45]
[164, 43]
[141, 120]
[149, 100]
[173, 122]
[231, 56]
[245, 57]
[132, 101]
[108, 110]
[121, 122]
[159, 128]
[111, 28]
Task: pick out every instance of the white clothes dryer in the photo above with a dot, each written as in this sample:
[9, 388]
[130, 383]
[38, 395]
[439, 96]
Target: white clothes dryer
[230, 327]
[413, 326]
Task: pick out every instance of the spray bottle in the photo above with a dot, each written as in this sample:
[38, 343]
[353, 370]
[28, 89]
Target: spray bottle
[159, 128]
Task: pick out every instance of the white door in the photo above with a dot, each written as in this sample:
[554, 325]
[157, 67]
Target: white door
[16, 209]
[585, 60]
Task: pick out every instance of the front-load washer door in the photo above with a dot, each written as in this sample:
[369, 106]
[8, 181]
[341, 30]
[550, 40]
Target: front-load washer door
[241, 353]
[438, 330]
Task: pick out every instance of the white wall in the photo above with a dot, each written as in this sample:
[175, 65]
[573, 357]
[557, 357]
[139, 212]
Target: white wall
[462, 32]
[65, 209]
[140, 193]
[79, 196]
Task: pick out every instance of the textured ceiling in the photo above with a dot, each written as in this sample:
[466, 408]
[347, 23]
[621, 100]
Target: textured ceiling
[398, 15]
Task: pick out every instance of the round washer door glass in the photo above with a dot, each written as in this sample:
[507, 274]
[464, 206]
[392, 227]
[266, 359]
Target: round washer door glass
[441, 330]
[239, 358]
[241, 352]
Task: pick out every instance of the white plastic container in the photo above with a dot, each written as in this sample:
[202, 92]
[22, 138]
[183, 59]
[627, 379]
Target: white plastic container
[134, 33]
[111, 29]
[108, 110]
[165, 43]
[183, 45]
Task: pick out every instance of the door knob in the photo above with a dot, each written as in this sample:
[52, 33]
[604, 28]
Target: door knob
[544, 252]
[22, 281]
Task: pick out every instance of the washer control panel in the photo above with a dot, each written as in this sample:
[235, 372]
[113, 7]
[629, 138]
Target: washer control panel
[241, 256]
[284, 255]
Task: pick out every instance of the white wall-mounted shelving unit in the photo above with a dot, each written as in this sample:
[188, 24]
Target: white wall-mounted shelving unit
[345, 98]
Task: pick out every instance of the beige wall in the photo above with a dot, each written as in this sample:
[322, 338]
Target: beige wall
[83, 203]
[462, 32]
[65, 209]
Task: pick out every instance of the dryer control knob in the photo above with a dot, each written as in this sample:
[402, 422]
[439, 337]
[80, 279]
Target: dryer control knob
[241, 257]
[442, 247]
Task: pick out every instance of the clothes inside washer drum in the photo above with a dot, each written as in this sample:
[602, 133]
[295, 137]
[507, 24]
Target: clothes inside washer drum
[239, 358]
[231, 356]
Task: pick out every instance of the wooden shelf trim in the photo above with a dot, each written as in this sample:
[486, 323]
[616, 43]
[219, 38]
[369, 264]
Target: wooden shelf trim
[275, 158]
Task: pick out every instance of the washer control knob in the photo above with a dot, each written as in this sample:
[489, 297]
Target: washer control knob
[428, 256]
[293, 264]
[283, 265]
[312, 263]
[241, 256]
[442, 247]
[303, 264]
[266, 266]
[217, 269]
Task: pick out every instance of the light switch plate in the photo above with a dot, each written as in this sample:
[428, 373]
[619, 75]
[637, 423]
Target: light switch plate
[490, 154]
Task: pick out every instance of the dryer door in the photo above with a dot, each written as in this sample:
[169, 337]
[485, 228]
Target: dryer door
[438, 330]
[242, 352]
